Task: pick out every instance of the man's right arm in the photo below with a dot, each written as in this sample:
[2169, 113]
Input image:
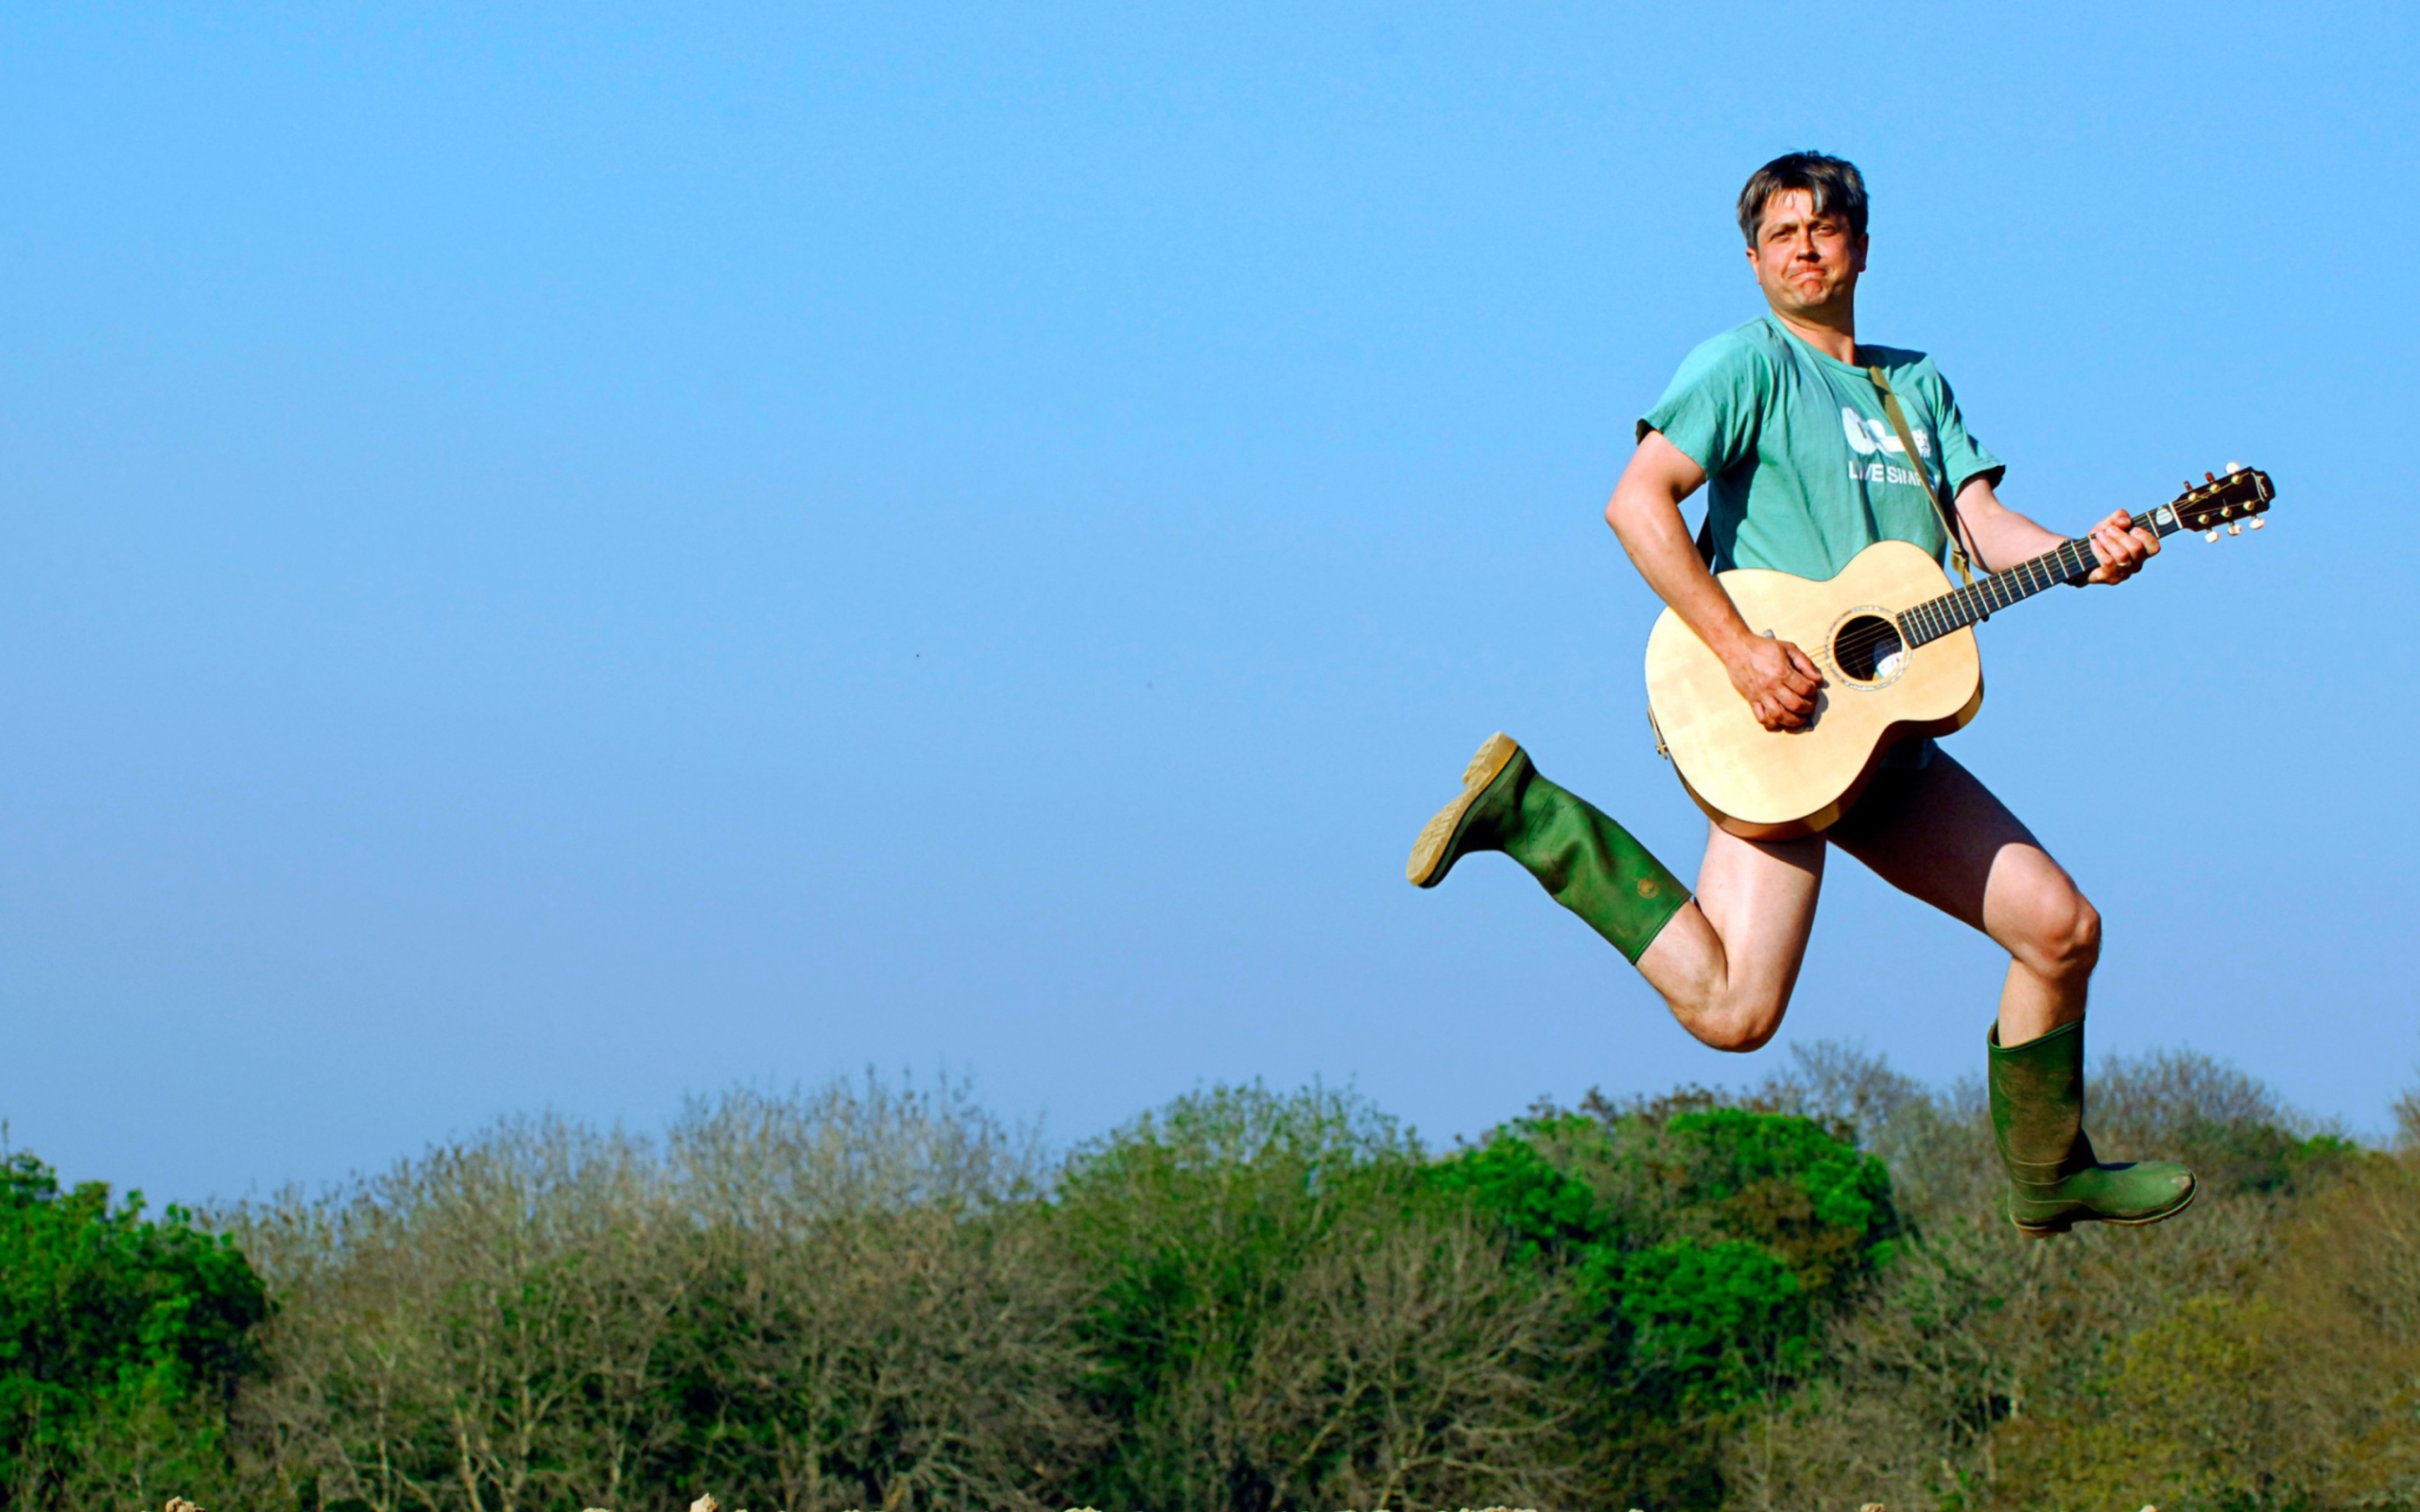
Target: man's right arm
[1775, 677]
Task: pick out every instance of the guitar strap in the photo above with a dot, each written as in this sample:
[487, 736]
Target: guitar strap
[1951, 521]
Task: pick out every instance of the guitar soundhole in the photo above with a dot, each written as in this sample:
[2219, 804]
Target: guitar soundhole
[1867, 649]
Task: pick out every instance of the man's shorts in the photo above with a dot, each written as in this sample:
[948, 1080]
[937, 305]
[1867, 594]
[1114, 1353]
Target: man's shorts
[1874, 806]
[1912, 754]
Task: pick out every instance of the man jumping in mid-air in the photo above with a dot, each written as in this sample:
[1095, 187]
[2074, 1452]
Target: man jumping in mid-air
[1779, 415]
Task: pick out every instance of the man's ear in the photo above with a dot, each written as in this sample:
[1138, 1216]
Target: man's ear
[1862, 243]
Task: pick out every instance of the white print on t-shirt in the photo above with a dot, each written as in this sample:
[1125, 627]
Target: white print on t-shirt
[1877, 473]
[1867, 437]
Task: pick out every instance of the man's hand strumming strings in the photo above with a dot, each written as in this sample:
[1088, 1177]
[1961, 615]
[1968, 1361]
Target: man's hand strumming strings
[1778, 679]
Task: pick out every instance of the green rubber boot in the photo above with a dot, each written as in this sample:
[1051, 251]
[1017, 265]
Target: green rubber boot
[2054, 1181]
[1585, 861]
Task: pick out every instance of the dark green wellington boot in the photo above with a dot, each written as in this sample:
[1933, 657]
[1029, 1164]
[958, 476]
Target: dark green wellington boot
[2054, 1181]
[1585, 861]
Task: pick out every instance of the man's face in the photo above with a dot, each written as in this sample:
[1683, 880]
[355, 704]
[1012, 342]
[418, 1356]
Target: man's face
[1806, 262]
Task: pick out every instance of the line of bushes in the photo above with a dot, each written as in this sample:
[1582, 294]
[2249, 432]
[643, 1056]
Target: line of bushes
[876, 1295]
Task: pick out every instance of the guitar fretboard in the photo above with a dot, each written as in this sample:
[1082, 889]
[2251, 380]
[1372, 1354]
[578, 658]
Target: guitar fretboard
[2071, 562]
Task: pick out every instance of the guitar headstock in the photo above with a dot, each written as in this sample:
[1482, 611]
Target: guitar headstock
[2238, 497]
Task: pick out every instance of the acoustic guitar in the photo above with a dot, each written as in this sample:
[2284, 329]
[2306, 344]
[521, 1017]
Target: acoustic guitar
[1893, 642]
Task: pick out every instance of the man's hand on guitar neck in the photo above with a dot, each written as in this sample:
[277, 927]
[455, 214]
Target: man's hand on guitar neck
[2123, 552]
[2005, 537]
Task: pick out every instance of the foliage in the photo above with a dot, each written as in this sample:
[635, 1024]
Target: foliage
[1701, 1245]
[1249, 1300]
[122, 1339]
[895, 1330]
[817, 1302]
[1282, 1316]
[1987, 1370]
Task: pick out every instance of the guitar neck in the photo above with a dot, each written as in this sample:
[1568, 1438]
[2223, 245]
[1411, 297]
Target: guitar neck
[2070, 562]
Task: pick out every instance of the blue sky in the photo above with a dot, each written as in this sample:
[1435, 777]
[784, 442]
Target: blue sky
[564, 555]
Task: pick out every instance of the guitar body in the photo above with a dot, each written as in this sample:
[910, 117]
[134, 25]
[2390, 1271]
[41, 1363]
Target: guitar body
[1764, 784]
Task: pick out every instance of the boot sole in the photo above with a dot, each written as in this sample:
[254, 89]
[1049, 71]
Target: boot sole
[2053, 1231]
[1437, 835]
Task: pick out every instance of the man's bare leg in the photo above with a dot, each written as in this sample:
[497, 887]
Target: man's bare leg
[1726, 964]
[1940, 836]
[1725, 961]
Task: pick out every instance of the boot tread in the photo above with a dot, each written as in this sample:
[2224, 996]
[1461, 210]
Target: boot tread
[1425, 870]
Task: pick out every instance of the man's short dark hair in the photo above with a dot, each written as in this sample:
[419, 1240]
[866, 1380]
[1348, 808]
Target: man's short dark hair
[1834, 183]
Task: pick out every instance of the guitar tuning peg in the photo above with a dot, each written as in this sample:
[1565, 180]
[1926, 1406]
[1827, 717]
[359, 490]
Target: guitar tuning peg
[2209, 477]
[2258, 520]
[2235, 529]
[2213, 535]
[2234, 467]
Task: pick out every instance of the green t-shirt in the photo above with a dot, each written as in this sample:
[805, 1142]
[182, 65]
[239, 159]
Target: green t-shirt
[1805, 469]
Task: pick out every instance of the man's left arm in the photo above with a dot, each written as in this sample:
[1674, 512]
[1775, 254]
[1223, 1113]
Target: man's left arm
[2006, 538]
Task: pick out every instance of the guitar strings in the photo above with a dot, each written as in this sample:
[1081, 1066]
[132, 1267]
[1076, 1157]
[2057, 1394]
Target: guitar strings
[1858, 643]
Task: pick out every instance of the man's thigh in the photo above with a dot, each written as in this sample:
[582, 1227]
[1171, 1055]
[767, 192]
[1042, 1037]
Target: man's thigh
[1940, 834]
[1760, 897]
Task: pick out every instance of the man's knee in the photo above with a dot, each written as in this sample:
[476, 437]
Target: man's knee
[1738, 1037]
[1736, 1027]
[2062, 938]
